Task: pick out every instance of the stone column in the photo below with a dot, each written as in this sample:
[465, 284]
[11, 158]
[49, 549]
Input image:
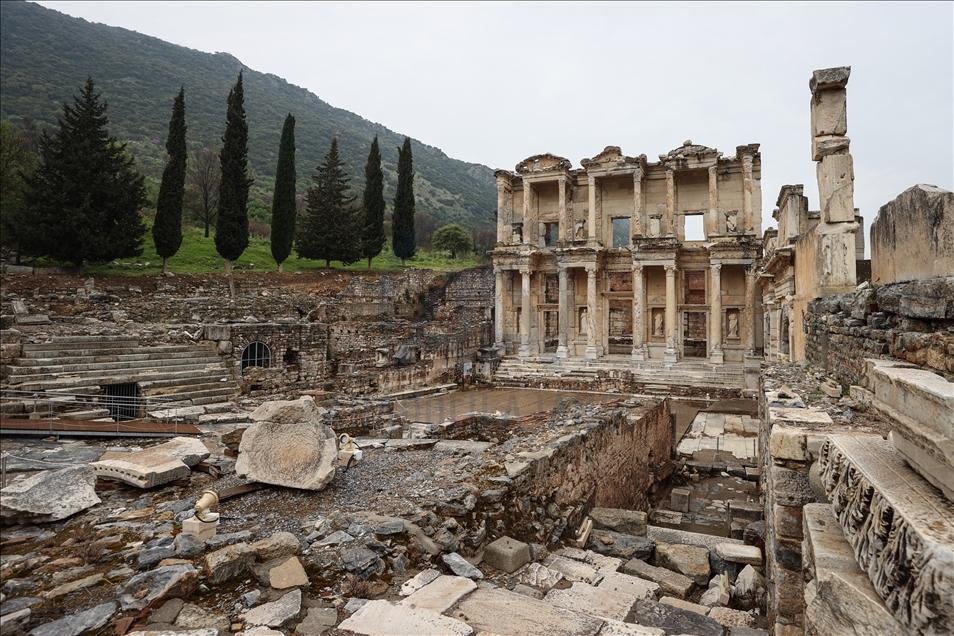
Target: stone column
[591, 222]
[639, 314]
[527, 201]
[670, 203]
[499, 290]
[747, 192]
[565, 228]
[670, 354]
[525, 314]
[636, 223]
[591, 349]
[715, 316]
[713, 224]
[750, 274]
[564, 315]
[504, 230]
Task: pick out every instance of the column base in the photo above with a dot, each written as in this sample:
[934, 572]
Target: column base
[592, 353]
[717, 357]
[524, 350]
[639, 354]
[669, 357]
[562, 352]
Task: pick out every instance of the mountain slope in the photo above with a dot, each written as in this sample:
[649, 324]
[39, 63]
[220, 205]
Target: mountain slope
[45, 56]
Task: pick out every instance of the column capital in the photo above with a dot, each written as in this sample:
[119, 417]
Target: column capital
[525, 271]
[670, 270]
[591, 179]
[716, 267]
[590, 270]
[637, 268]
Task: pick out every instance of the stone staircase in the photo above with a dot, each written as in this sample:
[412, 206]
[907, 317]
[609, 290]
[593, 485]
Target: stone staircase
[652, 377]
[173, 380]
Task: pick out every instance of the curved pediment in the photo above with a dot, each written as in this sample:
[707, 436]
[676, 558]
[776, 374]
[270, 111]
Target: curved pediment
[611, 156]
[689, 149]
[543, 163]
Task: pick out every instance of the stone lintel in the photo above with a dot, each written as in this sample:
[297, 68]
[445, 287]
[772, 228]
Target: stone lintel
[829, 78]
[900, 528]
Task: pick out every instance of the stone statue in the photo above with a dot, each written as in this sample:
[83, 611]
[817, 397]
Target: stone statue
[731, 222]
[517, 236]
[733, 325]
[580, 232]
[658, 324]
[584, 323]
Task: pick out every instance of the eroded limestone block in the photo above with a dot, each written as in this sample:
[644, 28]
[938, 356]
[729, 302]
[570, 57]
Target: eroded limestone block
[507, 554]
[901, 530]
[829, 78]
[594, 601]
[152, 466]
[442, 593]
[384, 617]
[912, 237]
[688, 560]
[836, 188]
[288, 411]
[829, 113]
[276, 613]
[148, 588]
[49, 495]
[500, 611]
[299, 454]
[623, 521]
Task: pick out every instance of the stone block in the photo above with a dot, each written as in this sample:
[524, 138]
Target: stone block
[623, 546]
[836, 189]
[572, 570]
[791, 487]
[788, 521]
[744, 554]
[217, 332]
[669, 582]
[507, 554]
[202, 530]
[686, 605]
[294, 454]
[691, 561]
[595, 601]
[675, 620]
[152, 466]
[825, 145]
[829, 113]
[640, 588]
[276, 613]
[442, 593]
[229, 562]
[679, 499]
[499, 611]
[623, 521]
[829, 78]
[49, 495]
[879, 501]
[788, 442]
[288, 574]
[912, 237]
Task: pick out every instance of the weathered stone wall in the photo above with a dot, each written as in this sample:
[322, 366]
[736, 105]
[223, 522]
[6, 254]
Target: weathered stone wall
[912, 238]
[911, 321]
[615, 463]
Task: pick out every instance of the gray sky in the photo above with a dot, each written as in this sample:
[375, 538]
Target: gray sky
[494, 83]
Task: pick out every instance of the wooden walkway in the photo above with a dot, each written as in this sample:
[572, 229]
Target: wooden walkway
[83, 428]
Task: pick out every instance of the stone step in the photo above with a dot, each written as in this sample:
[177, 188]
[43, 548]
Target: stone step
[99, 369]
[151, 381]
[145, 380]
[54, 352]
[24, 365]
[86, 415]
[75, 342]
[189, 392]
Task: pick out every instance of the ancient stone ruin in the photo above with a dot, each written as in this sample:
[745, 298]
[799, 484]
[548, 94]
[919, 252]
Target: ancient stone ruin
[615, 429]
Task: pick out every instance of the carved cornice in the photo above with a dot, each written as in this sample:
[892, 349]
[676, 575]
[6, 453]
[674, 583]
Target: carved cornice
[900, 529]
[545, 164]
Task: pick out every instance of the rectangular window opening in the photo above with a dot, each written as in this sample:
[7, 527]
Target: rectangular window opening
[621, 232]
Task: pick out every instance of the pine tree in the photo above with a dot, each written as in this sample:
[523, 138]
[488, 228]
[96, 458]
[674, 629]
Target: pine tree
[231, 226]
[283, 203]
[167, 228]
[83, 199]
[373, 238]
[330, 229]
[403, 226]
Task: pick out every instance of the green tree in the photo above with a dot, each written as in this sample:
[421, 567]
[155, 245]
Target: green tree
[231, 225]
[204, 178]
[83, 199]
[452, 238]
[330, 229]
[403, 229]
[17, 159]
[167, 228]
[373, 238]
[284, 207]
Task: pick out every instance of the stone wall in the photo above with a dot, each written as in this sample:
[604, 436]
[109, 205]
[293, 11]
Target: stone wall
[911, 321]
[912, 238]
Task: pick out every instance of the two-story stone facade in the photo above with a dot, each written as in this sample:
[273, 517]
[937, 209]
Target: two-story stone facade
[594, 261]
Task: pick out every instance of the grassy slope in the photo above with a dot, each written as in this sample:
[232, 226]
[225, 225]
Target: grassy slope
[45, 56]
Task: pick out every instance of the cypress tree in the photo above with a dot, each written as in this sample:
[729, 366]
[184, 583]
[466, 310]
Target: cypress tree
[283, 203]
[403, 238]
[330, 229]
[373, 238]
[231, 226]
[167, 228]
[83, 199]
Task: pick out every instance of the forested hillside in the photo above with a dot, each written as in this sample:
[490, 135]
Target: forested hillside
[46, 56]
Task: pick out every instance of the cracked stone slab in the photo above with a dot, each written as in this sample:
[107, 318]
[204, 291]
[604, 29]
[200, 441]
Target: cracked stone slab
[595, 601]
[383, 618]
[49, 495]
[441, 593]
[507, 613]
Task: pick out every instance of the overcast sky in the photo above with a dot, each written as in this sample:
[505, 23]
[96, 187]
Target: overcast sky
[494, 83]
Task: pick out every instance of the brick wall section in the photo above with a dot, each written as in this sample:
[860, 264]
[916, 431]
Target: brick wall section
[911, 321]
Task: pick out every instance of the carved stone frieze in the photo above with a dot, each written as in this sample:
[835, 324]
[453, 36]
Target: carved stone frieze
[900, 528]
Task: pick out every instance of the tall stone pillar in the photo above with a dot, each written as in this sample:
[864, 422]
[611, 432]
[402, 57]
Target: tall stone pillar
[747, 191]
[499, 290]
[670, 355]
[591, 221]
[564, 315]
[713, 224]
[565, 229]
[670, 203]
[636, 223]
[525, 314]
[504, 206]
[715, 316]
[750, 276]
[639, 314]
[528, 221]
[592, 352]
